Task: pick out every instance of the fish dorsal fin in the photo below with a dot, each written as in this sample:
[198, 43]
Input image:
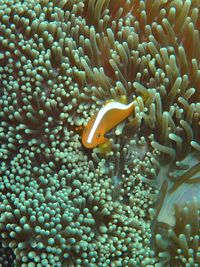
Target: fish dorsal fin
[121, 99]
[108, 102]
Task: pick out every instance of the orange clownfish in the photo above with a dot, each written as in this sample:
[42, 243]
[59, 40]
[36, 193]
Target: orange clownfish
[106, 118]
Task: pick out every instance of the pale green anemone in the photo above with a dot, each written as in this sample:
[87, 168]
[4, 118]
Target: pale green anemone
[64, 205]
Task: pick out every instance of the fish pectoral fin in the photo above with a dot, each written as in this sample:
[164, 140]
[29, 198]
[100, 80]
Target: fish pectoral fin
[105, 147]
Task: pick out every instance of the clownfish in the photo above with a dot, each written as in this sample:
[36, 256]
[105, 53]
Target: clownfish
[103, 121]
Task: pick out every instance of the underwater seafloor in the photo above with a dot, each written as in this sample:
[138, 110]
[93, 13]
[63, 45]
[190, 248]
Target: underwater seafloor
[137, 204]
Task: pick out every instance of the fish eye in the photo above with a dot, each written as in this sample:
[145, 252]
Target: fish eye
[85, 129]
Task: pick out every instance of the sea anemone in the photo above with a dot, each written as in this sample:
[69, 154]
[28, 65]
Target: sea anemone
[179, 245]
[63, 204]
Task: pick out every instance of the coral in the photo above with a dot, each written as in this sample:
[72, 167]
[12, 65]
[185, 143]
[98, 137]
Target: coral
[65, 205]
